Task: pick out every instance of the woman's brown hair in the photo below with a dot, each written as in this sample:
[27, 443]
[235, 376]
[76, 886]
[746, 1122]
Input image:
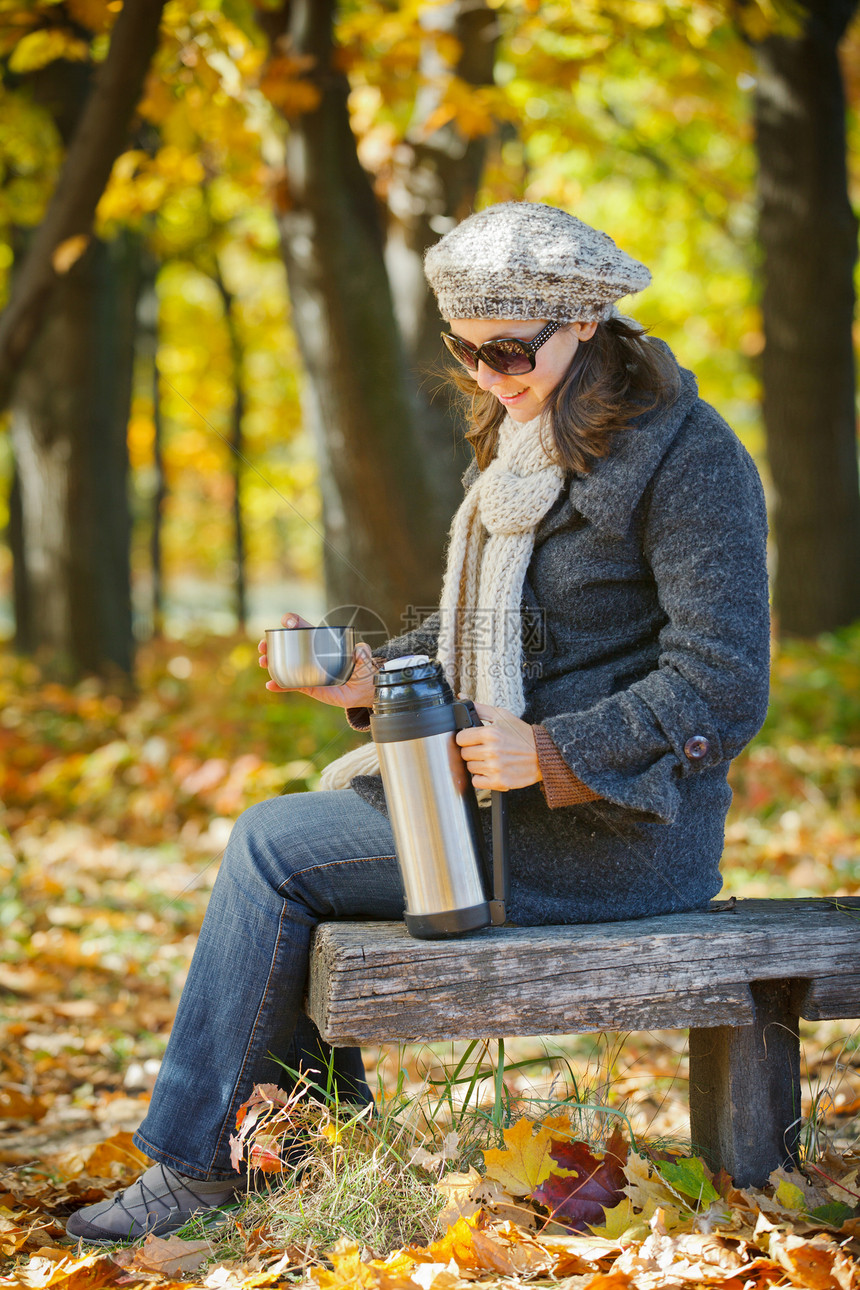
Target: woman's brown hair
[612, 378]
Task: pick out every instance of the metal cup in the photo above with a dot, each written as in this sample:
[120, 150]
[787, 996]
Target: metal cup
[303, 656]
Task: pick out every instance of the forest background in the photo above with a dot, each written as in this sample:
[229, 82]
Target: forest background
[217, 356]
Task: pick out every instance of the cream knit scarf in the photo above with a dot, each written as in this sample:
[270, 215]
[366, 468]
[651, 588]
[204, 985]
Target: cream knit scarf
[490, 545]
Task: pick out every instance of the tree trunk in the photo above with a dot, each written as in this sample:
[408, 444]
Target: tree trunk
[68, 425]
[20, 586]
[433, 188]
[98, 137]
[159, 501]
[237, 450]
[809, 239]
[389, 463]
[147, 351]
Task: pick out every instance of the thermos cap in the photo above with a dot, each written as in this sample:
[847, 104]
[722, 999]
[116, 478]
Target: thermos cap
[410, 684]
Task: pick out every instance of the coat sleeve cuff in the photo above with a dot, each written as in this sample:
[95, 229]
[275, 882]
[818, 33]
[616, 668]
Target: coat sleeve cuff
[359, 718]
[558, 784]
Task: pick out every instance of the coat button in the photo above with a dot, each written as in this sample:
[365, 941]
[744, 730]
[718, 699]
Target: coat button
[696, 747]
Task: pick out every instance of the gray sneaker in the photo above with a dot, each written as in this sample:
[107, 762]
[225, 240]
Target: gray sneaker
[161, 1201]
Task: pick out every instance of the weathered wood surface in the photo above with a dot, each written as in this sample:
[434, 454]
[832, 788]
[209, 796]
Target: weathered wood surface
[745, 1088]
[371, 982]
[828, 997]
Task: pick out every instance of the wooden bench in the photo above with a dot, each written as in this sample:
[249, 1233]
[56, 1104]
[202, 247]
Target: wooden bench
[738, 977]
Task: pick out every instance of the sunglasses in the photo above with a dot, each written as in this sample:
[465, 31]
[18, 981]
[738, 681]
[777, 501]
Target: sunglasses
[507, 355]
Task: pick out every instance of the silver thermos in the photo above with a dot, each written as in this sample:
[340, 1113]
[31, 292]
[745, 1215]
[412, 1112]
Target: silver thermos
[432, 805]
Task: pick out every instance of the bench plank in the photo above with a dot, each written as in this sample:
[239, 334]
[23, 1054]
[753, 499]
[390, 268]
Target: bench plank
[829, 997]
[371, 982]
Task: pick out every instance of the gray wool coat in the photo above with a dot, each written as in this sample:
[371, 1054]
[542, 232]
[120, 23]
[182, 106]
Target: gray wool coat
[649, 575]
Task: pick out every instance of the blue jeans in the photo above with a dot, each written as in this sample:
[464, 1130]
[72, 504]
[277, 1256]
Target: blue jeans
[290, 863]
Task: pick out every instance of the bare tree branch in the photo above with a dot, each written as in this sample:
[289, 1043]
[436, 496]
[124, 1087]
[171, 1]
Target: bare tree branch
[98, 140]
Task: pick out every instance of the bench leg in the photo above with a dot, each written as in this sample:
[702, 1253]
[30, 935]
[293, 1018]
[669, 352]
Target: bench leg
[745, 1088]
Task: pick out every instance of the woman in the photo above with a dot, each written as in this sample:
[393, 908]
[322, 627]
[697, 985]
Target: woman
[605, 603]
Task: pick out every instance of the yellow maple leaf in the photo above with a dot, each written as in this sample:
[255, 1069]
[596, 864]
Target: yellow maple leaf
[620, 1221]
[456, 1244]
[398, 1264]
[347, 1269]
[558, 1125]
[525, 1162]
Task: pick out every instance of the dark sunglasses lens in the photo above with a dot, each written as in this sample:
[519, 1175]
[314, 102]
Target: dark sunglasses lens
[461, 351]
[506, 356]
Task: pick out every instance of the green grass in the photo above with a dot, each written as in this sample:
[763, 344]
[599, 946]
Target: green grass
[357, 1181]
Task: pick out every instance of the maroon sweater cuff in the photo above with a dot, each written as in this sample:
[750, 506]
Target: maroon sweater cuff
[559, 785]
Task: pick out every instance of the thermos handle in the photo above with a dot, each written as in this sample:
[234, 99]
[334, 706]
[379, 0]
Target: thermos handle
[501, 853]
[465, 715]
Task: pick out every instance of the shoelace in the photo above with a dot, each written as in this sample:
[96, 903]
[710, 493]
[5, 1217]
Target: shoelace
[169, 1181]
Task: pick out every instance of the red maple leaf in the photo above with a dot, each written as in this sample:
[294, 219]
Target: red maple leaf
[591, 1185]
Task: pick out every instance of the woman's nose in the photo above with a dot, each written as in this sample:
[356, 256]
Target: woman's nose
[486, 377]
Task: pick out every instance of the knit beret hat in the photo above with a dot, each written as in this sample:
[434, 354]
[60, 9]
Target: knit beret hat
[528, 260]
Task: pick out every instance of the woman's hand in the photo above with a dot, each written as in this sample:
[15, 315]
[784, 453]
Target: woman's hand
[357, 692]
[502, 755]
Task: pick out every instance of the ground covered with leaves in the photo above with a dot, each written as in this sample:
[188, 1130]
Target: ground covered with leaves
[543, 1163]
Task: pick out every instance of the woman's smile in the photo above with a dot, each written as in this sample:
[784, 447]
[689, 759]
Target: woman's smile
[524, 395]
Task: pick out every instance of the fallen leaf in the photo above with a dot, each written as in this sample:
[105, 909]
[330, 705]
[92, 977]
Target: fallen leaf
[21, 1230]
[575, 1255]
[793, 1182]
[504, 1208]
[431, 1160]
[525, 1160]
[528, 1257]
[429, 1274]
[687, 1175]
[23, 979]
[621, 1221]
[609, 1281]
[644, 1188]
[695, 1257]
[790, 1196]
[815, 1263]
[584, 1186]
[456, 1244]
[459, 1201]
[347, 1270]
[491, 1254]
[168, 1255]
[89, 1272]
[20, 1106]
[834, 1214]
[115, 1157]
[265, 1154]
